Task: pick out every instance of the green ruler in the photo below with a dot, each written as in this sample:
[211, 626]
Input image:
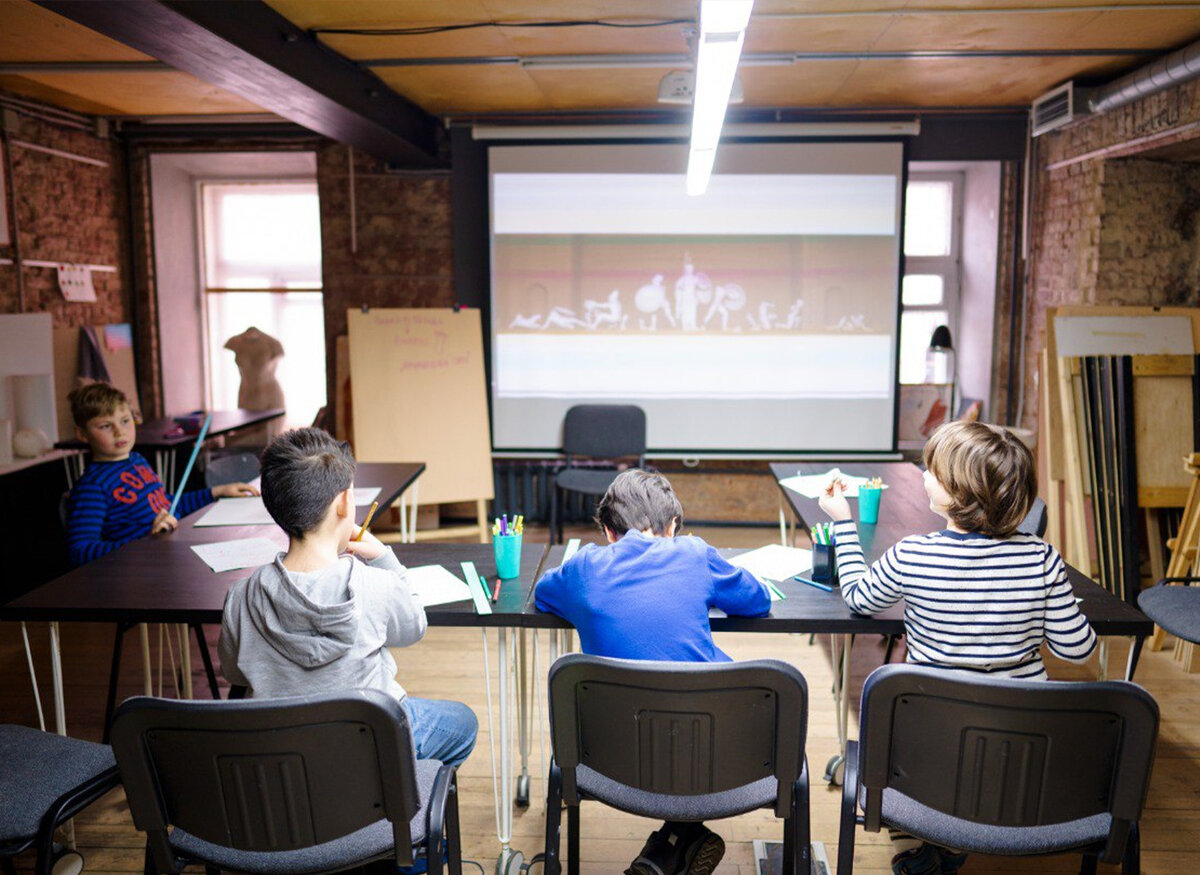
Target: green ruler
[478, 591]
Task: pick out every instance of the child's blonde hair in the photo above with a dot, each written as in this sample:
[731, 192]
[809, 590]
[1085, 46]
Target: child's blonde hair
[989, 474]
[95, 399]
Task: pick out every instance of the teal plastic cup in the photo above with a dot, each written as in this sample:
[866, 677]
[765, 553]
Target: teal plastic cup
[868, 504]
[508, 555]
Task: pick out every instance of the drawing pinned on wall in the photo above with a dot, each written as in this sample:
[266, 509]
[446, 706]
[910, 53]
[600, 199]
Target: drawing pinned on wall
[75, 283]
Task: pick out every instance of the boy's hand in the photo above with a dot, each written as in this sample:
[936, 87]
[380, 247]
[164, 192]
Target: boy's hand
[164, 522]
[368, 548]
[834, 503]
[234, 490]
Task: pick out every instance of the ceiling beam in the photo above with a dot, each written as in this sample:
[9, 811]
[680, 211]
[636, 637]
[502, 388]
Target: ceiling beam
[246, 48]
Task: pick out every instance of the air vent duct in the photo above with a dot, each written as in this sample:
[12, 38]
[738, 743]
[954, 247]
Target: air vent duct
[1058, 107]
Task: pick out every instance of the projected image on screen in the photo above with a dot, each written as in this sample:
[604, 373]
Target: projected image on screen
[732, 318]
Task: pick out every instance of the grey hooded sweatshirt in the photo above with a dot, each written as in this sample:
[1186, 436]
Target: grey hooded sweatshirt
[290, 634]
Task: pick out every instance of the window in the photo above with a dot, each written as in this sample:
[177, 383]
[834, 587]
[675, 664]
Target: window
[929, 290]
[262, 269]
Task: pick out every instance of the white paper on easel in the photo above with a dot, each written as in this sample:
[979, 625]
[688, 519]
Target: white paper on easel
[434, 585]
[75, 282]
[1123, 335]
[240, 553]
[774, 561]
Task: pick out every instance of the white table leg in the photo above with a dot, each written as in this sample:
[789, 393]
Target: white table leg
[185, 659]
[412, 523]
[839, 652]
[782, 524]
[1102, 655]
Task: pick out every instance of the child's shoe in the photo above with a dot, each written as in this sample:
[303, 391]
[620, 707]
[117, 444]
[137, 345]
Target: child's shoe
[924, 860]
[952, 861]
[703, 850]
[660, 855]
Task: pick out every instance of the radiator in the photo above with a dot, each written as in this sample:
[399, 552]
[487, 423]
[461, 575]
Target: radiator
[523, 487]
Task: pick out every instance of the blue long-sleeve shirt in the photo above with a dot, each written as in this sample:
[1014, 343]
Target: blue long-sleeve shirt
[646, 597]
[115, 503]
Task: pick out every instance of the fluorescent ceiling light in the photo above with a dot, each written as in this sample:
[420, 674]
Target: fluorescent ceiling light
[722, 31]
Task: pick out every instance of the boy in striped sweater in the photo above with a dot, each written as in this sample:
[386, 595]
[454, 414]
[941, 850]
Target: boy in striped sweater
[978, 596]
[119, 498]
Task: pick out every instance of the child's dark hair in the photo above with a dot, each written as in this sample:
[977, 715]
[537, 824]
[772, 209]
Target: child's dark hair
[639, 500]
[990, 476]
[303, 471]
[94, 399]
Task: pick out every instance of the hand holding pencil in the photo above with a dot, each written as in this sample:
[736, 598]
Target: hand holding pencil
[834, 502]
[364, 544]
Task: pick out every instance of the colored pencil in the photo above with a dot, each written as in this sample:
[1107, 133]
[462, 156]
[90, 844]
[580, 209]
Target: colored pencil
[192, 461]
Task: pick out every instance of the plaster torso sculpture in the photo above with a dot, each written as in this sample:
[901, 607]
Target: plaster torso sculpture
[256, 355]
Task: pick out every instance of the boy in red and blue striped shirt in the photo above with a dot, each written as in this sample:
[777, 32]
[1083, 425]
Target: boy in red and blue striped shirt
[119, 498]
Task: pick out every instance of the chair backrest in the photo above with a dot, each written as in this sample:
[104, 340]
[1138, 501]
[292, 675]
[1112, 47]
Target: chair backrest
[609, 431]
[267, 775]
[679, 728]
[1036, 520]
[1007, 753]
[234, 468]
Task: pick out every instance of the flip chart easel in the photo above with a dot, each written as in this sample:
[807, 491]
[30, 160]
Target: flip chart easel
[418, 394]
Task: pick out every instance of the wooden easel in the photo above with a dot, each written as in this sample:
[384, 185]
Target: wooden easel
[418, 395]
[1185, 560]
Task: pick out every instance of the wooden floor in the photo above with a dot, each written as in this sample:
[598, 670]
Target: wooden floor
[449, 664]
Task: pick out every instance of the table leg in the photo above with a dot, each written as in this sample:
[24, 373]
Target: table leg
[1102, 655]
[60, 707]
[147, 670]
[37, 696]
[412, 522]
[840, 655]
[524, 724]
[782, 524]
[185, 659]
[1135, 650]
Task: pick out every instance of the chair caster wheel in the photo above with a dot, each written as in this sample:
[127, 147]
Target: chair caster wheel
[67, 863]
[835, 769]
[522, 797]
[510, 862]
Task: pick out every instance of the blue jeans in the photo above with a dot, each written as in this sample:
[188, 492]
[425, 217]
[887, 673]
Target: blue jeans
[442, 729]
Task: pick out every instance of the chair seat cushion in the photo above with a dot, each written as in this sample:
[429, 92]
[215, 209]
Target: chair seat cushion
[36, 768]
[662, 806]
[1175, 608]
[369, 843]
[591, 481]
[904, 813]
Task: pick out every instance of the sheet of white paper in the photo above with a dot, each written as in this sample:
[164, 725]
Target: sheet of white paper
[241, 553]
[364, 495]
[774, 562]
[813, 485]
[434, 585]
[252, 511]
[236, 512]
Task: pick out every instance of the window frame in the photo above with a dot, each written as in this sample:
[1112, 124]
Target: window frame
[948, 267]
[202, 262]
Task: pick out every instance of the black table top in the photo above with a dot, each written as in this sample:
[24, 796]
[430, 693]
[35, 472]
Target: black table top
[159, 579]
[904, 510]
[160, 434]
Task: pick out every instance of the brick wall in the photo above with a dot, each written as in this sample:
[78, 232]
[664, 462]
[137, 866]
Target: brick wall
[402, 251]
[66, 211]
[1113, 219]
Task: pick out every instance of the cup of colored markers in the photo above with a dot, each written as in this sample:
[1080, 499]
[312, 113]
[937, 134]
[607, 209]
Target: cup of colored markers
[824, 559]
[506, 543]
[869, 494]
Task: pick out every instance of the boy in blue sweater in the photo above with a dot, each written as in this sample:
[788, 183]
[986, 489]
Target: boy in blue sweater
[119, 498]
[646, 596]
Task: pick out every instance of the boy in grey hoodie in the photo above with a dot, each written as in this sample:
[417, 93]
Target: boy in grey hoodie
[322, 616]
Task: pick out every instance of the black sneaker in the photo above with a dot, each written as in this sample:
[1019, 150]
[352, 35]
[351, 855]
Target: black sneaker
[660, 855]
[703, 851]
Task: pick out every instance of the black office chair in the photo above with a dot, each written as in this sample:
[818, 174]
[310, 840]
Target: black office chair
[231, 468]
[993, 766]
[45, 780]
[1175, 608]
[677, 741]
[604, 433]
[304, 785]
